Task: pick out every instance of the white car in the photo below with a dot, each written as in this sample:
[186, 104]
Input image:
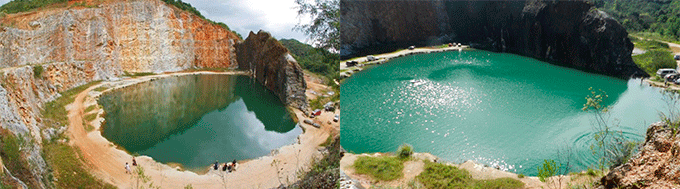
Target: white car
[336, 118]
[663, 72]
[371, 58]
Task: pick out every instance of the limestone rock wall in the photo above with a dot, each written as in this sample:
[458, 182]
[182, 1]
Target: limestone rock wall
[568, 33]
[274, 67]
[79, 45]
[655, 166]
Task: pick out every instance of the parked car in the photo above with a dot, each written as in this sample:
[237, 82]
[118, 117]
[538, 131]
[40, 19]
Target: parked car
[411, 47]
[336, 118]
[665, 71]
[673, 78]
[371, 58]
[351, 63]
[677, 57]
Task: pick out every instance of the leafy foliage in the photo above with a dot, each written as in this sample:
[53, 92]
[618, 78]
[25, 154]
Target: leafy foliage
[610, 146]
[326, 172]
[37, 71]
[325, 25]
[436, 175]
[548, 169]
[316, 60]
[17, 6]
[653, 60]
[659, 16]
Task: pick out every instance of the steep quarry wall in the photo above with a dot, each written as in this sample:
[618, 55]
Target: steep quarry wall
[568, 33]
[79, 45]
[274, 67]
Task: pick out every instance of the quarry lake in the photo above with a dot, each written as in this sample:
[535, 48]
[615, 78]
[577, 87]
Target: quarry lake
[502, 110]
[197, 119]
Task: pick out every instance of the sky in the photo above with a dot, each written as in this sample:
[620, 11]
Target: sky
[277, 17]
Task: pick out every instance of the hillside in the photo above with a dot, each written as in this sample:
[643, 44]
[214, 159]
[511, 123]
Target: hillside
[660, 17]
[316, 60]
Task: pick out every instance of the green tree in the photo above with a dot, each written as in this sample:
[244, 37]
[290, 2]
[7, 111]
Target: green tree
[549, 169]
[324, 28]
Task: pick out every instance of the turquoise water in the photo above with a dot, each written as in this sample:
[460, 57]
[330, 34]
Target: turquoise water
[197, 119]
[501, 110]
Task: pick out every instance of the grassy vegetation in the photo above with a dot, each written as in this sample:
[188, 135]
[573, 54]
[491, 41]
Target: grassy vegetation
[380, 168]
[653, 60]
[90, 108]
[54, 113]
[100, 89]
[648, 44]
[17, 6]
[87, 119]
[69, 170]
[10, 151]
[325, 172]
[436, 175]
[137, 74]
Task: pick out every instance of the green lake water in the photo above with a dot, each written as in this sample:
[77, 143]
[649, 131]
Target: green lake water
[197, 119]
[502, 110]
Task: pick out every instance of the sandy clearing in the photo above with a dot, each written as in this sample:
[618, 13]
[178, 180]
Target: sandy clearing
[387, 56]
[107, 162]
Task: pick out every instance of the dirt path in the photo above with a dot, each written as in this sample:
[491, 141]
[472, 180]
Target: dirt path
[107, 162]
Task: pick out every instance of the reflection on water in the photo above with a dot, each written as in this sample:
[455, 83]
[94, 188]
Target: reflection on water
[498, 109]
[197, 119]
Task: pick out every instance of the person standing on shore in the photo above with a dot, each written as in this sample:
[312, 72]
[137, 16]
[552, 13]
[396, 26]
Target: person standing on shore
[127, 168]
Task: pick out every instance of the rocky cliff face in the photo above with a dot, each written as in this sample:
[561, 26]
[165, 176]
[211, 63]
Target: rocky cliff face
[655, 166]
[76, 46]
[572, 33]
[274, 67]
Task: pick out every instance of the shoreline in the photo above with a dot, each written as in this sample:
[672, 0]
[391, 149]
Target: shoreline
[107, 160]
[346, 72]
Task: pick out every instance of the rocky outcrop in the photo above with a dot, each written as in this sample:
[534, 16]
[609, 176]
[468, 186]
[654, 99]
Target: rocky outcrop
[48, 52]
[655, 166]
[274, 67]
[568, 33]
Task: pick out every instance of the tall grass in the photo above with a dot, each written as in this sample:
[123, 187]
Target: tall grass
[380, 168]
[436, 175]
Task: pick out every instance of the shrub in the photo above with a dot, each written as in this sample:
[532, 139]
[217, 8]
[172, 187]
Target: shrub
[37, 71]
[404, 151]
[653, 60]
[16, 6]
[380, 168]
[520, 176]
[549, 169]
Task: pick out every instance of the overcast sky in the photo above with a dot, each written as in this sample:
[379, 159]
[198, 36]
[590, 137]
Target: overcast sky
[278, 17]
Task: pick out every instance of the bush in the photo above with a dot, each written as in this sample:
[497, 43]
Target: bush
[437, 175]
[404, 151]
[549, 169]
[520, 176]
[653, 60]
[37, 71]
[326, 172]
[380, 168]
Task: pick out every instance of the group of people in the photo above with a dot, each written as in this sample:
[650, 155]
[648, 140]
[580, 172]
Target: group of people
[127, 166]
[228, 166]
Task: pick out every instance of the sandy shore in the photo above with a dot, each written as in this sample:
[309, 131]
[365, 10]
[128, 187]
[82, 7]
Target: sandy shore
[414, 167]
[344, 70]
[107, 162]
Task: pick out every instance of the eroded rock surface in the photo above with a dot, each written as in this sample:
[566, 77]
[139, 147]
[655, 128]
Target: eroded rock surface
[274, 67]
[568, 33]
[47, 52]
[656, 166]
